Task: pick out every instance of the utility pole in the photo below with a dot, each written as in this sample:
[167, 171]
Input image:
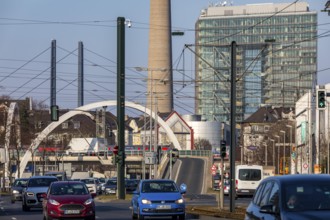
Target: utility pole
[121, 106]
[233, 126]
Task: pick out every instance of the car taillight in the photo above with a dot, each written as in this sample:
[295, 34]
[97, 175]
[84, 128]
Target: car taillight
[236, 184]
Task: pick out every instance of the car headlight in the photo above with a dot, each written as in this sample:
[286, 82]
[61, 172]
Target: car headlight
[179, 201]
[145, 201]
[88, 201]
[30, 194]
[15, 191]
[53, 202]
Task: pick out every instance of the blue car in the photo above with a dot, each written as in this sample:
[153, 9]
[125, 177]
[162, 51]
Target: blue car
[291, 197]
[156, 198]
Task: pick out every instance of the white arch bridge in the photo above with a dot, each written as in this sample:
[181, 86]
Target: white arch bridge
[83, 110]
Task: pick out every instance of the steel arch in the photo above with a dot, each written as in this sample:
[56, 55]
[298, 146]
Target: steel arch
[82, 110]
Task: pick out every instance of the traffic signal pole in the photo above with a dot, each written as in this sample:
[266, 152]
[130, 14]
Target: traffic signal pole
[121, 107]
[232, 126]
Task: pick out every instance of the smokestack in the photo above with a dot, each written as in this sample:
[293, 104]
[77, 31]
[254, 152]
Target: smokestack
[160, 83]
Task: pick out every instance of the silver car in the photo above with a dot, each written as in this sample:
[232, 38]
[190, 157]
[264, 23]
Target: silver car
[16, 189]
[35, 190]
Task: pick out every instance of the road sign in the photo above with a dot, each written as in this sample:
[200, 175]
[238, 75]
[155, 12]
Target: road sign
[115, 150]
[305, 166]
[213, 168]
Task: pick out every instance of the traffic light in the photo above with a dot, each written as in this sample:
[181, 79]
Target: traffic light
[113, 159]
[321, 99]
[54, 113]
[121, 157]
[223, 150]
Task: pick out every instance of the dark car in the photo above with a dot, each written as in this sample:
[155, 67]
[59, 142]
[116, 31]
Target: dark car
[110, 186]
[34, 191]
[131, 185]
[68, 199]
[297, 196]
[158, 198]
[16, 189]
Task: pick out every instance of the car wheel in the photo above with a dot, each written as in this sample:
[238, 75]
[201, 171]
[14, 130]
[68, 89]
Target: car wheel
[173, 217]
[134, 216]
[47, 217]
[90, 218]
[140, 217]
[24, 207]
[182, 217]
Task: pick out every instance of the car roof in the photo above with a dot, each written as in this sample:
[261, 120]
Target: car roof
[66, 182]
[45, 177]
[156, 180]
[296, 178]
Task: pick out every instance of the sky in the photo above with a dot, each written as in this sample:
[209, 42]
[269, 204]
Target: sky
[28, 27]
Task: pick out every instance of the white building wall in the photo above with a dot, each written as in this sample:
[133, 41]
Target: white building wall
[209, 130]
[302, 160]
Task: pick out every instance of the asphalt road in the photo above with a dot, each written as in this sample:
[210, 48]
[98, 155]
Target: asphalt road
[105, 210]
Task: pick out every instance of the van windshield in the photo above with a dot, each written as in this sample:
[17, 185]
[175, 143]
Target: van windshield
[249, 174]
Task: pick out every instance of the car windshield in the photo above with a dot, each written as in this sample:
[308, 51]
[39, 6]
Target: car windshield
[69, 189]
[307, 196]
[20, 182]
[111, 182]
[88, 181]
[41, 182]
[159, 186]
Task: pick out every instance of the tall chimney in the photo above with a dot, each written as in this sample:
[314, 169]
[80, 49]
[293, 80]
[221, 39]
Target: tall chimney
[160, 83]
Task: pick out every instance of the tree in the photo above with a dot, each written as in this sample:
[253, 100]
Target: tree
[202, 144]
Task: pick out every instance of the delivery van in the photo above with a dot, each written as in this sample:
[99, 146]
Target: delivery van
[247, 179]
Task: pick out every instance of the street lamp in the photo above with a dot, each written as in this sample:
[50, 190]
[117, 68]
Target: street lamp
[290, 145]
[264, 143]
[281, 131]
[272, 140]
[278, 155]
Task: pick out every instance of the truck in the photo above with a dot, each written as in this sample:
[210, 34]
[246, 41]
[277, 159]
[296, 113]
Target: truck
[86, 146]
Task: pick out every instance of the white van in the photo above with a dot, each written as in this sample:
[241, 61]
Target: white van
[247, 179]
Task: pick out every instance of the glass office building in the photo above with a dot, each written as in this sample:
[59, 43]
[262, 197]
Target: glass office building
[276, 57]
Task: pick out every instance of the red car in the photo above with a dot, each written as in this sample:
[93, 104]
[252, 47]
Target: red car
[68, 199]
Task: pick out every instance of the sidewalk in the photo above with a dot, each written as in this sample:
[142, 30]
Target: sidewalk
[216, 212]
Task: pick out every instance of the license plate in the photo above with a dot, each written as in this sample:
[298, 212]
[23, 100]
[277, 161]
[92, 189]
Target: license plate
[70, 212]
[245, 191]
[163, 207]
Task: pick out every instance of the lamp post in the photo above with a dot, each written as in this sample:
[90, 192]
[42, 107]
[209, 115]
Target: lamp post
[281, 131]
[278, 155]
[272, 140]
[264, 143]
[290, 145]
[150, 94]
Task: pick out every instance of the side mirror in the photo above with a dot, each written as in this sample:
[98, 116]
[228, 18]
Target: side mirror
[93, 195]
[183, 188]
[269, 209]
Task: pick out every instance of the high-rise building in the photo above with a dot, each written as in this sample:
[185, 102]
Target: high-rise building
[276, 57]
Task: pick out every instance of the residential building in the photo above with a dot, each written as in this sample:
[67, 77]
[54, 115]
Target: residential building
[276, 57]
[267, 137]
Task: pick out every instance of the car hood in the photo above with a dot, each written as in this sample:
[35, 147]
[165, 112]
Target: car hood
[161, 196]
[306, 215]
[37, 189]
[18, 188]
[64, 199]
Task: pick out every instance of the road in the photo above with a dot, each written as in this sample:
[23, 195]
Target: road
[117, 209]
[189, 171]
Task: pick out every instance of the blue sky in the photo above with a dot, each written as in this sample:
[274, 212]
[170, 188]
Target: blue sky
[28, 27]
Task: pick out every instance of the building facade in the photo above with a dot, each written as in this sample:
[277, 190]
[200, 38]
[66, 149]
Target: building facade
[276, 57]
